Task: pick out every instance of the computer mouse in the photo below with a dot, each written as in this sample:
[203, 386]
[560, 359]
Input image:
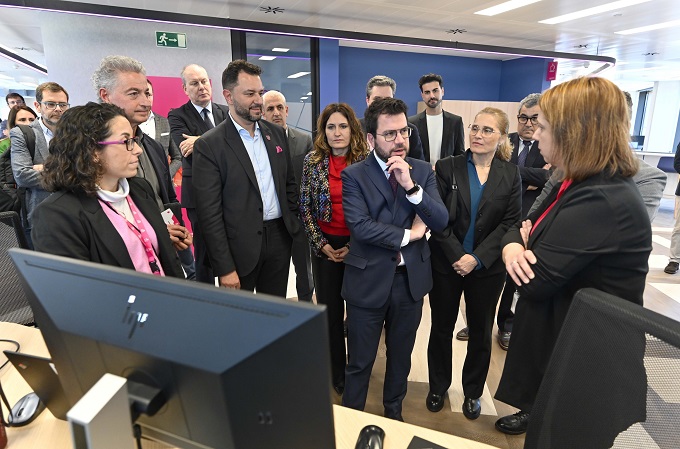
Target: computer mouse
[25, 410]
[370, 437]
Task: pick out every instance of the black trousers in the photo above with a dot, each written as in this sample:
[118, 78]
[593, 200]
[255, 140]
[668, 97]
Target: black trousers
[304, 282]
[270, 275]
[481, 297]
[328, 279]
[505, 316]
[400, 316]
[204, 272]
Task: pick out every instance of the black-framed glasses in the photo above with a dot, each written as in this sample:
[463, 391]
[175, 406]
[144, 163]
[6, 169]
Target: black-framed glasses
[389, 136]
[51, 105]
[523, 119]
[129, 143]
[486, 131]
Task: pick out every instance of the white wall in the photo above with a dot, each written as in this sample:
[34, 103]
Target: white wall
[75, 44]
[661, 118]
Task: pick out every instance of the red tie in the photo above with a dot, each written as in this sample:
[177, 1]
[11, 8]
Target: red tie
[393, 183]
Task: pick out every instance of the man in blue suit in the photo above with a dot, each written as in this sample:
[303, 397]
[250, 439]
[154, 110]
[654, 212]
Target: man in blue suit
[389, 201]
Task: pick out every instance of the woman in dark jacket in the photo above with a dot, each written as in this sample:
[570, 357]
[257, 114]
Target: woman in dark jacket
[99, 211]
[339, 142]
[482, 191]
[591, 231]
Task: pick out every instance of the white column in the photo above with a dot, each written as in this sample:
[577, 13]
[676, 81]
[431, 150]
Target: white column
[661, 119]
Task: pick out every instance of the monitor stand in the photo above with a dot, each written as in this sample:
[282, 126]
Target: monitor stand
[101, 419]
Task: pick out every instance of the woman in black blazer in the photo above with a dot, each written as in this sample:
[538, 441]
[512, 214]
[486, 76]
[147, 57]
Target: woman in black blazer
[591, 231]
[482, 192]
[96, 213]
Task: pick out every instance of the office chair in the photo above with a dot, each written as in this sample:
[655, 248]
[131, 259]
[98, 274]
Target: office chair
[13, 305]
[613, 379]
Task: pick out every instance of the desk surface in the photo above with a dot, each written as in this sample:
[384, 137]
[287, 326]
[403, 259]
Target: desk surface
[47, 431]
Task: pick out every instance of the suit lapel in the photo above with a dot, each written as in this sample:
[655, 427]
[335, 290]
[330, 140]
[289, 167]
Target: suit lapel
[41, 146]
[219, 114]
[110, 239]
[274, 161]
[233, 140]
[447, 133]
[378, 177]
[531, 157]
[492, 182]
[193, 113]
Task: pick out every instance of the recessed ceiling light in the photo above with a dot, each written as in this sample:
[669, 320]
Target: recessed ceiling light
[267, 58]
[309, 93]
[592, 11]
[658, 26]
[303, 98]
[298, 74]
[282, 50]
[5, 77]
[504, 7]
[269, 9]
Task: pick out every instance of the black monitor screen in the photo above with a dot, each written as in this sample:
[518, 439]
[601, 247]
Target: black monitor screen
[237, 370]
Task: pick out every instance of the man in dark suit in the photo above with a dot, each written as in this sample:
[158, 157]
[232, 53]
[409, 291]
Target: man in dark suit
[245, 191]
[121, 80]
[389, 200]
[188, 123]
[299, 144]
[381, 86]
[534, 172]
[157, 127]
[441, 132]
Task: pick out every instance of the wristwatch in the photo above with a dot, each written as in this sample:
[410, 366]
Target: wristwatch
[413, 189]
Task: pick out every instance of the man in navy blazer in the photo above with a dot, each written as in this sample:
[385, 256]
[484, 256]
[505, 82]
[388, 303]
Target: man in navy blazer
[245, 191]
[186, 125]
[389, 201]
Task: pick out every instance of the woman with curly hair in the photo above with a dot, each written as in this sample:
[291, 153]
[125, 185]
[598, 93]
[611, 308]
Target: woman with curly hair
[99, 210]
[339, 142]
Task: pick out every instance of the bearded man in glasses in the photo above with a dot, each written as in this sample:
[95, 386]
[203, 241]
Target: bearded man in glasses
[28, 157]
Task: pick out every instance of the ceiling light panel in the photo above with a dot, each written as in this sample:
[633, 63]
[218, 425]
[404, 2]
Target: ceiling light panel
[505, 7]
[592, 11]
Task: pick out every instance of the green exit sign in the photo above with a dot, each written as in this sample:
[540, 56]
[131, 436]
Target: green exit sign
[171, 40]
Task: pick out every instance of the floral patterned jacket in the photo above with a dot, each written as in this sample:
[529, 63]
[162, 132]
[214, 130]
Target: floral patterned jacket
[315, 200]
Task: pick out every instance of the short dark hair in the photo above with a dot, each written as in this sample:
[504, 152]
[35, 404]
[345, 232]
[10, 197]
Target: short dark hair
[14, 95]
[230, 74]
[73, 164]
[387, 106]
[49, 86]
[12, 118]
[430, 77]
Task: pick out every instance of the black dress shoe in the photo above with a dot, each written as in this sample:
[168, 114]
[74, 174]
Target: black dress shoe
[434, 402]
[472, 408]
[463, 334]
[504, 340]
[339, 388]
[513, 424]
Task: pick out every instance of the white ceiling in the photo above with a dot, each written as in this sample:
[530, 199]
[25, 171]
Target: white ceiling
[519, 28]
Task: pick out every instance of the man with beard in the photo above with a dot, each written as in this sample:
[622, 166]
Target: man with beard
[389, 201]
[441, 132]
[244, 190]
[51, 101]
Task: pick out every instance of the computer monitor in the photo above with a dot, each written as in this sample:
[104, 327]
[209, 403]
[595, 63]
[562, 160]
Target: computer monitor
[237, 370]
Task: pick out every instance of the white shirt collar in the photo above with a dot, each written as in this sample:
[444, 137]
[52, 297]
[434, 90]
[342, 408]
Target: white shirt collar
[239, 127]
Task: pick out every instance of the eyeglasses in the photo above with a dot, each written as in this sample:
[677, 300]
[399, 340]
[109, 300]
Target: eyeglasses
[129, 143]
[523, 119]
[50, 105]
[486, 131]
[389, 136]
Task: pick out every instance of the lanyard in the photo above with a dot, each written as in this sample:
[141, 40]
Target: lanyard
[565, 185]
[141, 234]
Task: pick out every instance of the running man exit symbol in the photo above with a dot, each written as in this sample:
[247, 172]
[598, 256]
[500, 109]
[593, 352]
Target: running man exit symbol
[171, 40]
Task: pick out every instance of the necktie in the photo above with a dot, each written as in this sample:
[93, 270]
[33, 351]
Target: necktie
[525, 152]
[393, 183]
[206, 118]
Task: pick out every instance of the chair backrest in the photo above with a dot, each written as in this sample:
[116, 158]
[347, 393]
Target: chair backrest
[13, 305]
[613, 379]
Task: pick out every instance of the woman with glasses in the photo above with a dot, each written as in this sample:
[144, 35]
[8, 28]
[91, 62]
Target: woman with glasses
[99, 210]
[482, 192]
[593, 231]
[339, 142]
